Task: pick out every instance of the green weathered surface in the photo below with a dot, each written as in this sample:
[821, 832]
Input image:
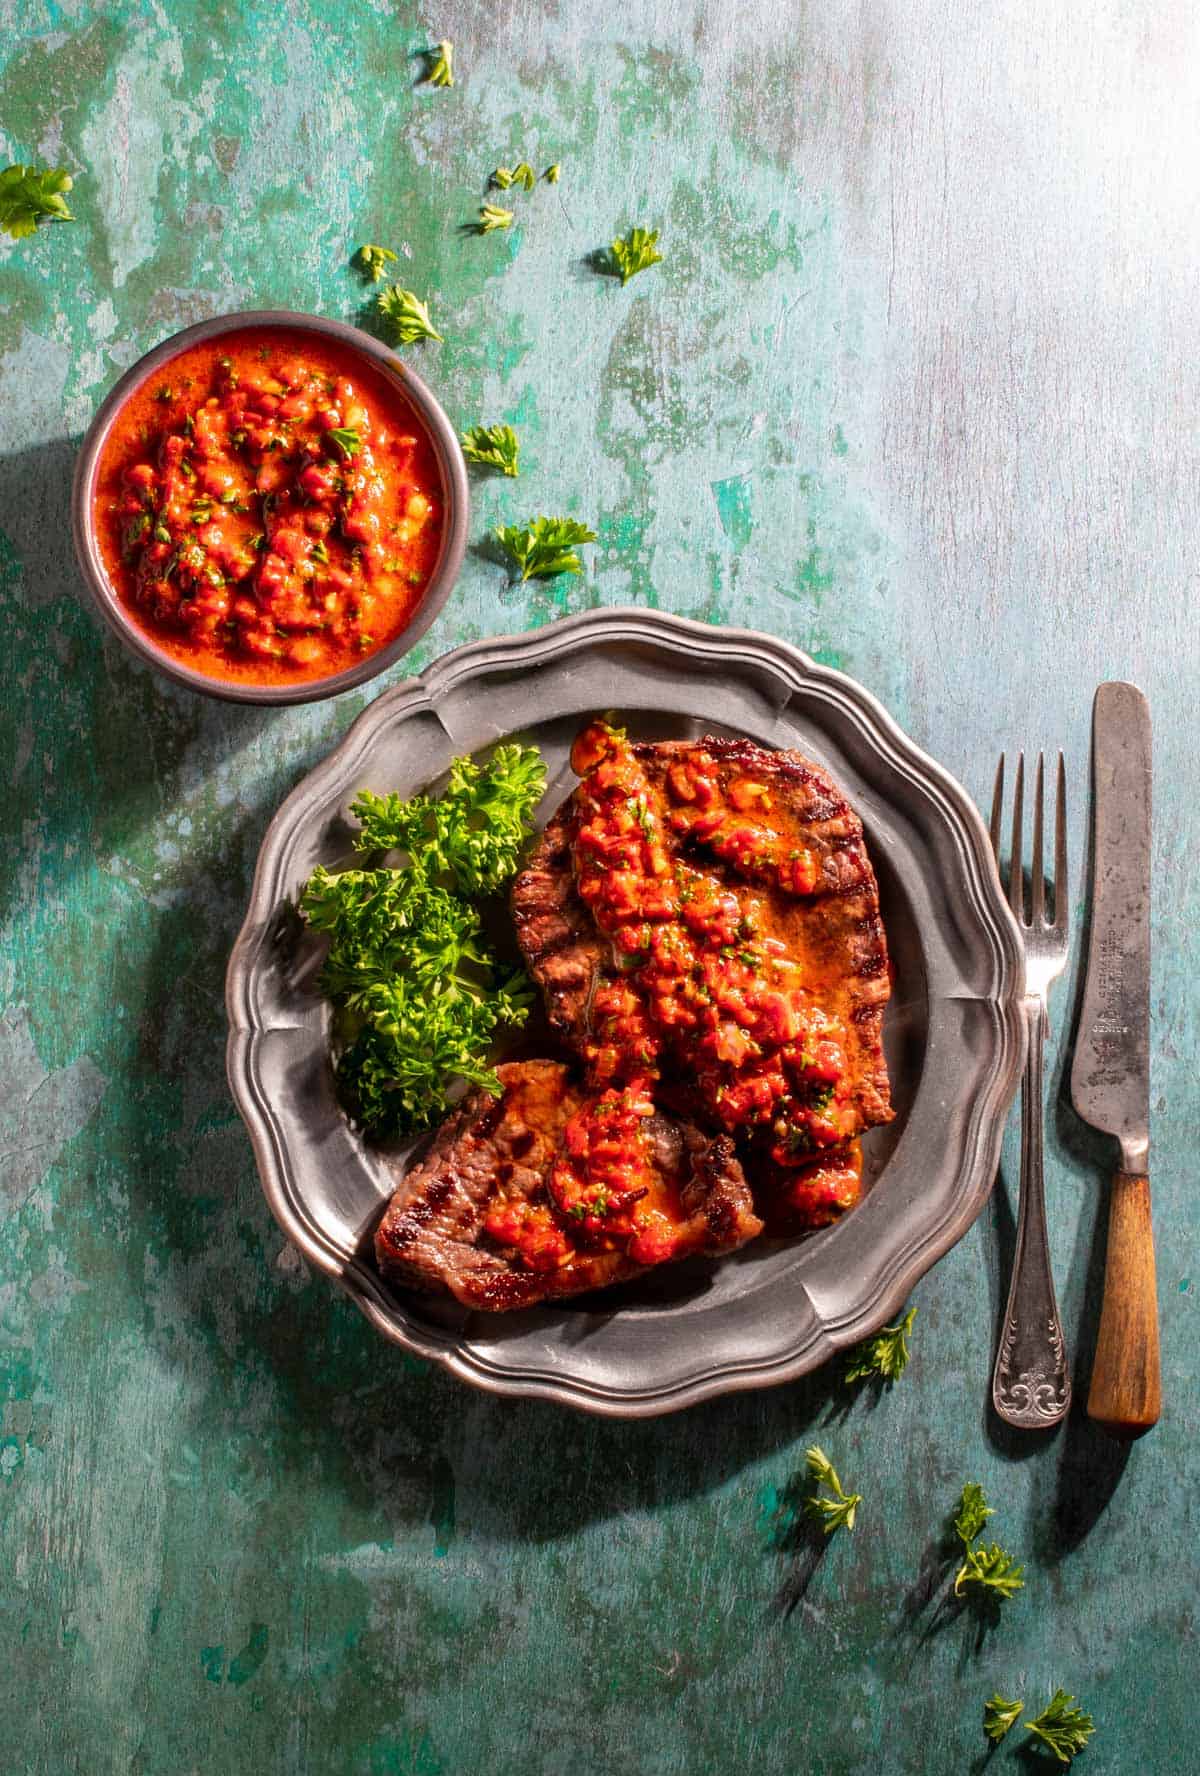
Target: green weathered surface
[915, 387]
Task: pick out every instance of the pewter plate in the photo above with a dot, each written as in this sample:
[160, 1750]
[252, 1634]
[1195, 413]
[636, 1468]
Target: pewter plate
[953, 1032]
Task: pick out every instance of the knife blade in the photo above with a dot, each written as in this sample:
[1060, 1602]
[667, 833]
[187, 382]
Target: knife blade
[1110, 1072]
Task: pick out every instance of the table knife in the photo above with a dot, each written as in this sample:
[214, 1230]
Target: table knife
[1110, 1074]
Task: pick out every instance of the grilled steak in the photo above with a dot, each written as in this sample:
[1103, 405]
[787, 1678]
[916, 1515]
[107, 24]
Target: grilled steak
[669, 898]
[499, 1214]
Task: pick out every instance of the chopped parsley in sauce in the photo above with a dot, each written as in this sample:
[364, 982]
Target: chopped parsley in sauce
[699, 983]
[269, 508]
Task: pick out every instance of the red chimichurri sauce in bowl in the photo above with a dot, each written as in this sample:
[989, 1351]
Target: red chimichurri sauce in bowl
[268, 510]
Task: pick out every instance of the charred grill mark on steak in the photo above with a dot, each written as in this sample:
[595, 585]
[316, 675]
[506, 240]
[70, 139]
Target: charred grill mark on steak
[432, 1235]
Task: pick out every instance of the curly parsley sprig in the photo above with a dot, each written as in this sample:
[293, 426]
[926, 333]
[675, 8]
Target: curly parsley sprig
[473, 831]
[419, 994]
[32, 196]
[837, 1510]
[544, 547]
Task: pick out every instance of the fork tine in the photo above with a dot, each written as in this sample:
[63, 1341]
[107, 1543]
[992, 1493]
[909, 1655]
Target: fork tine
[1061, 880]
[1016, 881]
[997, 811]
[1037, 909]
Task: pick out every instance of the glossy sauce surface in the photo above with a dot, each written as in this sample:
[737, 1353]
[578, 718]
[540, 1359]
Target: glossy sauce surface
[702, 985]
[269, 507]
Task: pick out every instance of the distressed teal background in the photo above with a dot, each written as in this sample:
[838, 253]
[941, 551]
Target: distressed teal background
[915, 387]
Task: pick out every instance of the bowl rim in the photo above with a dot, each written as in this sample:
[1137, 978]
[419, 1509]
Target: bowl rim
[817, 1333]
[451, 463]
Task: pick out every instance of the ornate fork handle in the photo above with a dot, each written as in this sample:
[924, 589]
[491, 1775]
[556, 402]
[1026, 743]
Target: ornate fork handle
[1031, 1386]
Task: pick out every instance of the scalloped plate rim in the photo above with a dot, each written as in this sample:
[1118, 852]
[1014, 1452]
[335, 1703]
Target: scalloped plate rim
[981, 1141]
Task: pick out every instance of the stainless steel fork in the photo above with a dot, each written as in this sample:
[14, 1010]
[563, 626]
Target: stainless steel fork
[1031, 1386]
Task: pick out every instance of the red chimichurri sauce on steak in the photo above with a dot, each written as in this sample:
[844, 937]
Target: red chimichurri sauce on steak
[269, 508]
[704, 922]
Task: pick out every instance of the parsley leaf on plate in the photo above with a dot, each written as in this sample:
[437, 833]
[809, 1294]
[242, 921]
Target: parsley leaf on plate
[411, 1044]
[883, 1357]
[544, 547]
[837, 1510]
[419, 994]
[31, 196]
[407, 315]
[473, 831]
[494, 447]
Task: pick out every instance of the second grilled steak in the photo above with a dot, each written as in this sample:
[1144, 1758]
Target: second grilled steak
[482, 1217]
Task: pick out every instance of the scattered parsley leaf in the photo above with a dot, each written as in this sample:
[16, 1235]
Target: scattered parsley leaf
[345, 441]
[492, 216]
[506, 177]
[374, 261]
[833, 1512]
[635, 252]
[495, 447]
[32, 196]
[994, 1571]
[883, 1357]
[544, 547]
[441, 72]
[973, 1512]
[407, 315]
[998, 1716]
[551, 174]
[1063, 1727]
[473, 831]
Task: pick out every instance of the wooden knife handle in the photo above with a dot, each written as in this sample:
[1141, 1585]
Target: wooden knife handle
[1126, 1390]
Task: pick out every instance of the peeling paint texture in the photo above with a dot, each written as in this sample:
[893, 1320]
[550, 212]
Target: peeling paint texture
[914, 386]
